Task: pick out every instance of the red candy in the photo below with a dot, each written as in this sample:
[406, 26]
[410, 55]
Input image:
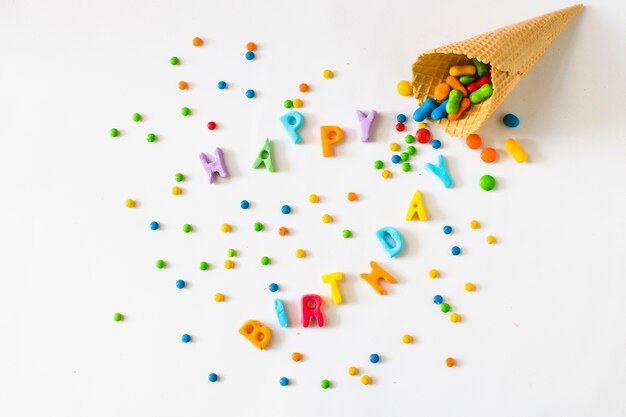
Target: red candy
[478, 83]
[423, 135]
[400, 127]
[211, 125]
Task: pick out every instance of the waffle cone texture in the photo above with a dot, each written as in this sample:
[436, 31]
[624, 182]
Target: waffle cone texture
[511, 51]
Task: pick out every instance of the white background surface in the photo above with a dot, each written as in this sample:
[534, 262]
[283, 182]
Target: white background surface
[543, 335]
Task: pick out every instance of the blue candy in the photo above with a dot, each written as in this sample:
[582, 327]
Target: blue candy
[180, 284]
[391, 240]
[425, 109]
[292, 122]
[510, 120]
[396, 159]
[154, 225]
[401, 118]
[250, 93]
[273, 287]
[447, 229]
[436, 144]
[455, 250]
[212, 377]
[374, 358]
[284, 381]
[244, 204]
[186, 338]
[222, 85]
[437, 299]
[439, 112]
[285, 209]
[249, 55]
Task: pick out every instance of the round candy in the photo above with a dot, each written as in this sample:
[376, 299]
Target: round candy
[273, 287]
[325, 383]
[204, 266]
[423, 135]
[374, 358]
[250, 46]
[437, 299]
[151, 137]
[400, 118]
[366, 380]
[225, 228]
[386, 174]
[450, 362]
[436, 144]
[445, 307]
[284, 381]
[249, 55]
[283, 231]
[396, 159]
[180, 284]
[218, 297]
[154, 225]
[454, 317]
[297, 103]
[353, 370]
[288, 104]
[244, 204]
[160, 264]
[222, 85]
[400, 127]
[231, 252]
[455, 250]
[393, 146]
[406, 167]
[487, 182]
[265, 260]
[488, 155]
[447, 229]
[176, 190]
[212, 377]
[352, 196]
[404, 156]
[422, 125]
[296, 356]
[136, 117]
[228, 264]
[185, 111]
[130, 203]
[378, 164]
[409, 138]
[211, 125]
[187, 228]
[303, 88]
[327, 218]
[411, 150]
[300, 253]
[118, 317]
[186, 338]
[474, 224]
[182, 85]
[510, 120]
[174, 60]
[197, 41]
[469, 287]
[313, 198]
[285, 209]
[490, 240]
[433, 273]
[346, 233]
[250, 93]
[258, 226]
[407, 338]
[327, 74]
[114, 132]
[404, 88]
[179, 177]
[474, 141]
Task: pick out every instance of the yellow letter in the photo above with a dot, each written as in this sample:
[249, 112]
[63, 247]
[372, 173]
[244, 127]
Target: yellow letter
[416, 207]
[257, 334]
[332, 279]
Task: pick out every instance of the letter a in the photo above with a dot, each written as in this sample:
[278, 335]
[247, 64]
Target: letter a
[265, 157]
[416, 208]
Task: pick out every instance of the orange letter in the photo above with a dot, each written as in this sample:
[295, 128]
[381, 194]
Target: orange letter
[330, 136]
[377, 274]
[257, 334]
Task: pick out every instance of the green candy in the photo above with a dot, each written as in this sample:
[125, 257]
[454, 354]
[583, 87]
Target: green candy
[179, 177]
[114, 132]
[406, 167]
[151, 137]
[174, 60]
[118, 317]
[204, 266]
[187, 228]
[346, 234]
[265, 260]
[411, 150]
[487, 182]
[445, 307]
[466, 79]
[379, 164]
[325, 383]
[136, 117]
[454, 101]
[160, 264]
[231, 253]
[288, 104]
[481, 68]
[258, 227]
[185, 111]
[481, 94]
[404, 156]
[409, 138]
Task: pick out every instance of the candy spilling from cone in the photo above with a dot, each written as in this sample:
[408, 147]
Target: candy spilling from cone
[507, 54]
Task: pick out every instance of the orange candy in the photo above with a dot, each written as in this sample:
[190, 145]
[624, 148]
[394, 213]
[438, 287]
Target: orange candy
[450, 362]
[283, 231]
[456, 84]
[251, 46]
[197, 41]
[465, 103]
[474, 141]
[352, 196]
[304, 88]
[488, 155]
[296, 356]
[182, 85]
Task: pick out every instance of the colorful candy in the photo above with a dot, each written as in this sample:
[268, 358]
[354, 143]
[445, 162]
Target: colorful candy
[459, 70]
[488, 155]
[515, 150]
[286, 209]
[213, 377]
[404, 88]
[450, 362]
[481, 68]
[474, 141]
[510, 120]
[283, 381]
[353, 370]
[487, 182]
[454, 101]
[185, 338]
[440, 111]
[455, 84]
[482, 93]
[479, 83]
[407, 338]
[374, 358]
[296, 356]
[442, 91]
[422, 135]
[425, 109]
[327, 74]
[465, 104]
[118, 317]
[154, 225]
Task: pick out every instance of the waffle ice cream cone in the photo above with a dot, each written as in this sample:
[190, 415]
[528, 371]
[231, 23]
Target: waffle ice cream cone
[511, 51]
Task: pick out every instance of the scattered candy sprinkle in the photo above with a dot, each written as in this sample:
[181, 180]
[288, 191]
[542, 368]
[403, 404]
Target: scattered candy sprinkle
[487, 182]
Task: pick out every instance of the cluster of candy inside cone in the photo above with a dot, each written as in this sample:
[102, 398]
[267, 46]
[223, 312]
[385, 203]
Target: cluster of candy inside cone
[466, 85]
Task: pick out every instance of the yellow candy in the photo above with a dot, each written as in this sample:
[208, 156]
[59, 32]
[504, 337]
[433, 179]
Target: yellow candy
[225, 227]
[442, 91]
[474, 224]
[422, 125]
[469, 286]
[454, 317]
[516, 151]
[433, 273]
[327, 74]
[458, 70]
[297, 103]
[327, 218]
[407, 338]
[366, 380]
[218, 297]
[228, 264]
[490, 239]
[404, 88]
[353, 370]
[393, 146]
[176, 190]
[300, 253]
[386, 174]
[130, 203]
[313, 198]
